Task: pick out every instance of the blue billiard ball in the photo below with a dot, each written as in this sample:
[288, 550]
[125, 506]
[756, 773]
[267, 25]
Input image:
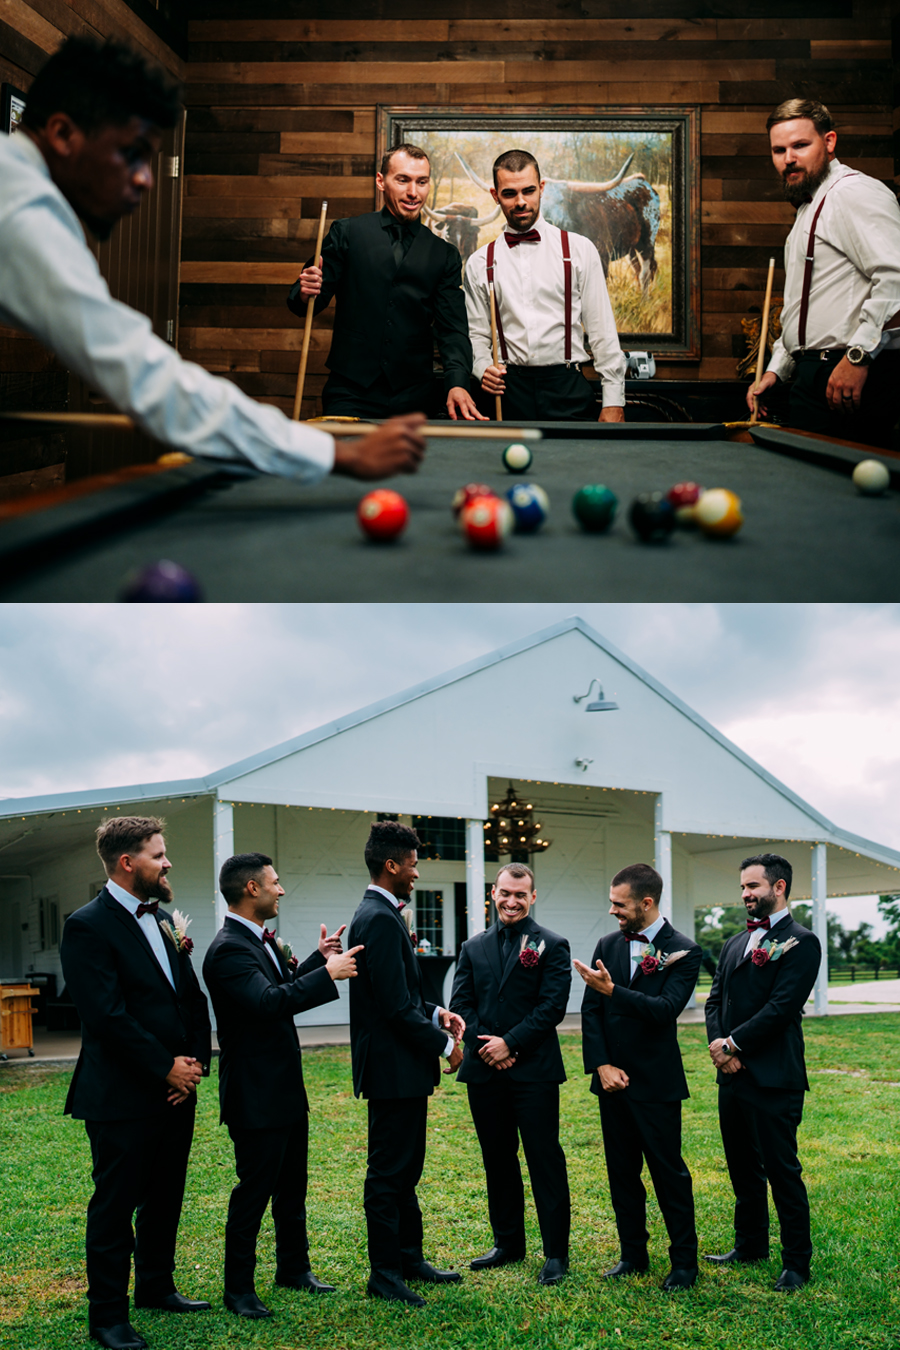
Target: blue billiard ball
[530, 505]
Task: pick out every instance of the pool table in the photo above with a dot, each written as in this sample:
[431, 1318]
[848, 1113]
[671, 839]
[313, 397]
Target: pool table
[808, 534]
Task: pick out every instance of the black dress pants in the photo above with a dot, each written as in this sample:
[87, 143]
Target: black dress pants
[503, 1111]
[343, 397]
[879, 409]
[271, 1165]
[396, 1158]
[548, 394]
[633, 1131]
[139, 1169]
[759, 1134]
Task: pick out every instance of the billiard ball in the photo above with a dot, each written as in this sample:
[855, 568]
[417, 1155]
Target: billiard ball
[684, 497]
[530, 506]
[462, 496]
[486, 521]
[652, 517]
[382, 514]
[594, 507]
[517, 457]
[173, 459]
[718, 512]
[162, 582]
[871, 477]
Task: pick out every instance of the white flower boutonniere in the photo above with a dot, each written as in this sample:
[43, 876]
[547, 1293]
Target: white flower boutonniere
[652, 963]
[771, 951]
[530, 952]
[288, 953]
[176, 931]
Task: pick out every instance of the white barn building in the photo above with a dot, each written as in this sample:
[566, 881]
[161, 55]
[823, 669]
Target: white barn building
[645, 780]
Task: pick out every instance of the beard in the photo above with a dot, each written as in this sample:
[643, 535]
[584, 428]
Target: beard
[159, 889]
[805, 187]
[762, 906]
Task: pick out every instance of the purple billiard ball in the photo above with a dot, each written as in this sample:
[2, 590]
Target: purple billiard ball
[162, 582]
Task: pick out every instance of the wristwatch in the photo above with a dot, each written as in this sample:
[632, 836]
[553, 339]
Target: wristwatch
[858, 356]
[726, 1049]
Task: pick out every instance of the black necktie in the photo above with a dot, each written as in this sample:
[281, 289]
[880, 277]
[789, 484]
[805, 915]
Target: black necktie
[401, 241]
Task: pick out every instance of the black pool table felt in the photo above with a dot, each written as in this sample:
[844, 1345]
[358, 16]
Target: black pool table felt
[808, 534]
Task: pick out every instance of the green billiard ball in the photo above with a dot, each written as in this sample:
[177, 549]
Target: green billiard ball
[595, 507]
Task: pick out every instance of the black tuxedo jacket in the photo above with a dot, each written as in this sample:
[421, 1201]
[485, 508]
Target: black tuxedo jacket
[388, 317]
[395, 1047]
[761, 1007]
[523, 1004]
[260, 1068]
[134, 1023]
[635, 1028]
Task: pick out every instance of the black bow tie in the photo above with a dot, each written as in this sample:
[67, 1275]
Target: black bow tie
[758, 923]
[529, 237]
[147, 909]
[636, 937]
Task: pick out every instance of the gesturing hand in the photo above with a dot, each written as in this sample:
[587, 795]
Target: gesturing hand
[452, 1023]
[343, 966]
[331, 946]
[599, 979]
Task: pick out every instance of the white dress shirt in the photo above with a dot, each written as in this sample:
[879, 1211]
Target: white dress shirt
[398, 905]
[51, 287]
[856, 270]
[257, 930]
[638, 950]
[148, 925]
[529, 290]
[755, 937]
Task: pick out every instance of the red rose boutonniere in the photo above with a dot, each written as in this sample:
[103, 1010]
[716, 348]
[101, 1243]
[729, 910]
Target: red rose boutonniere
[176, 931]
[286, 951]
[530, 952]
[655, 961]
[771, 951]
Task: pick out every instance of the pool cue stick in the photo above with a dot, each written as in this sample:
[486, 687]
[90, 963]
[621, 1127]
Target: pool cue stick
[307, 330]
[498, 405]
[763, 335]
[91, 421]
[438, 431]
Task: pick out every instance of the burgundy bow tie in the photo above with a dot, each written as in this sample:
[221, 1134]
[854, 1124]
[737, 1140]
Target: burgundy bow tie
[636, 937]
[758, 923]
[268, 936]
[401, 904]
[530, 237]
[148, 909]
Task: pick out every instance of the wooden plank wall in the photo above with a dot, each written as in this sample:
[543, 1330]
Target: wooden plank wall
[282, 113]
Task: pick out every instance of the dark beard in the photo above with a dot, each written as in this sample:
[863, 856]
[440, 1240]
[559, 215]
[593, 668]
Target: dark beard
[762, 906]
[798, 193]
[158, 890]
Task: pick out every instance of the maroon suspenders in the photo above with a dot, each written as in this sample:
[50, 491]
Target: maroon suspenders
[807, 271]
[567, 271]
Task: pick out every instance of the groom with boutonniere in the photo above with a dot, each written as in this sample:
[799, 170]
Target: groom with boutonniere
[639, 980]
[753, 1020]
[511, 987]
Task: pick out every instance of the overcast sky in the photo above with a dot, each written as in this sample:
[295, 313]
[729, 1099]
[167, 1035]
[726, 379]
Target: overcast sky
[99, 695]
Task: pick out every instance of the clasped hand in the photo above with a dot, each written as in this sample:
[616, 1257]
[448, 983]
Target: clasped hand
[727, 1063]
[183, 1078]
[496, 1052]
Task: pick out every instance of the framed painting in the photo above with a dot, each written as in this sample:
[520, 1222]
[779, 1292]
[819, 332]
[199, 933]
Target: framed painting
[626, 178]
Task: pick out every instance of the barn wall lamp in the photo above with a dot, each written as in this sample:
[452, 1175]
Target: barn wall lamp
[600, 704]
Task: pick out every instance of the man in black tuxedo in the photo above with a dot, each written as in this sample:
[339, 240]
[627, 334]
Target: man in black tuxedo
[256, 988]
[511, 988]
[753, 1020]
[396, 1040]
[639, 980]
[398, 289]
[145, 1046]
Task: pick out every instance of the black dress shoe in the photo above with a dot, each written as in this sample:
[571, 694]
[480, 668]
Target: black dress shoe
[554, 1269]
[245, 1305]
[622, 1268]
[388, 1284]
[735, 1258]
[173, 1302]
[122, 1336]
[497, 1256]
[423, 1270]
[790, 1280]
[680, 1277]
[305, 1280]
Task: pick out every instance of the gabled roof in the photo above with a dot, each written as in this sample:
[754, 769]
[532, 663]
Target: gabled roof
[210, 784]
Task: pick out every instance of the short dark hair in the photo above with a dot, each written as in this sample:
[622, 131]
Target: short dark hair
[237, 871]
[641, 879]
[775, 868]
[100, 85]
[389, 839]
[514, 161]
[517, 870]
[811, 108]
[414, 152]
[125, 834]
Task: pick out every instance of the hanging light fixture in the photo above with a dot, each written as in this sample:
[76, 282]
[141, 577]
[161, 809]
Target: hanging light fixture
[600, 704]
[512, 828]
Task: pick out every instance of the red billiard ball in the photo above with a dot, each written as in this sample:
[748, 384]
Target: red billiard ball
[684, 497]
[462, 496]
[486, 521]
[382, 514]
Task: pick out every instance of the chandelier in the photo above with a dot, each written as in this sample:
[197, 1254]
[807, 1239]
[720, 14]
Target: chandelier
[512, 828]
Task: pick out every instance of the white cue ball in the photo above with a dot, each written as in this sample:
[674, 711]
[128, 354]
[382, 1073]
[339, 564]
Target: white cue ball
[517, 458]
[871, 477]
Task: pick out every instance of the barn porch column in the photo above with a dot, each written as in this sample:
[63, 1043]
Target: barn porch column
[820, 924]
[662, 853]
[223, 847]
[474, 877]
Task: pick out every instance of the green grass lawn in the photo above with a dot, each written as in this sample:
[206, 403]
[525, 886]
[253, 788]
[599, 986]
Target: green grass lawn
[849, 1144]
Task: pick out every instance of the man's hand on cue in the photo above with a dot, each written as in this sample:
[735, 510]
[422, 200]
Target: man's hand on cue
[757, 390]
[459, 400]
[845, 386]
[492, 380]
[396, 447]
[311, 281]
[611, 414]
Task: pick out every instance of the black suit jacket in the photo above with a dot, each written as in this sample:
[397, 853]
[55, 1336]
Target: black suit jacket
[635, 1028]
[395, 1047]
[134, 1023]
[260, 1067]
[387, 318]
[523, 1004]
[761, 1007]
